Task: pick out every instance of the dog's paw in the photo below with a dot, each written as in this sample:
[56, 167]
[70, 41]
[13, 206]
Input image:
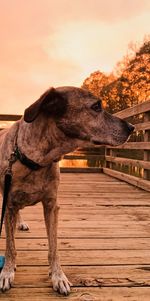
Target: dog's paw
[61, 284]
[23, 227]
[6, 279]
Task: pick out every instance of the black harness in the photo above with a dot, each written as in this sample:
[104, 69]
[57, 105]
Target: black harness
[26, 161]
[16, 155]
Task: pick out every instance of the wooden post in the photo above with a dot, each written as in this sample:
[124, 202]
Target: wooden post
[106, 154]
[109, 152]
[112, 153]
[147, 152]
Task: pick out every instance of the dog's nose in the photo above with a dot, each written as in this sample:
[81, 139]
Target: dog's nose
[130, 127]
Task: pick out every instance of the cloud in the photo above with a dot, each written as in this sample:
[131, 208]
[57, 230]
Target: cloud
[103, 10]
[34, 19]
[46, 43]
[93, 45]
[27, 71]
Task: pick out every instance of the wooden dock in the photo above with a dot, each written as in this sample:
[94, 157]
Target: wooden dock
[104, 243]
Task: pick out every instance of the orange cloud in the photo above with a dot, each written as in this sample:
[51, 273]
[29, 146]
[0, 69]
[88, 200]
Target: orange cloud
[57, 42]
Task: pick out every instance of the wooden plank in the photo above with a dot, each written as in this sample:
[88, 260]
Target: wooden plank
[126, 161]
[96, 276]
[6, 117]
[92, 186]
[81, 169]
[39, 244]
[135, 110]
[104, 194]
[146, 152]
[136, 229]
[107, 200]
[138, 182]
[95, 183]
[108, 180]
[142, 126]
[80, 294]
[82, 226]
[102, 214]
[111, 193]
[74, 223]
[83, 156]
[80, 176]
[93, 220]
[132, 145]
[90, 214]
[97, 190]
[86, 257]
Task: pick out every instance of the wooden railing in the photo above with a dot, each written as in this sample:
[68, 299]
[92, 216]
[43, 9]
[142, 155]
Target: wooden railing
[4, 117]
[131, 162]
[82, 160]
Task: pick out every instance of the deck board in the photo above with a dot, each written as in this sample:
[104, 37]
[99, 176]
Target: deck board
[103, 239]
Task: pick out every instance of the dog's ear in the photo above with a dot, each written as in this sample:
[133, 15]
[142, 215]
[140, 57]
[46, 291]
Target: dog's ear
[51, 102]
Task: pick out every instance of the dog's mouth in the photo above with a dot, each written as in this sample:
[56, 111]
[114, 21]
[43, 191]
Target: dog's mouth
[115, 143]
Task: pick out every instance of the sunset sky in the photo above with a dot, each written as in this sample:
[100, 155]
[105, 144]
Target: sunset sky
[55, 43]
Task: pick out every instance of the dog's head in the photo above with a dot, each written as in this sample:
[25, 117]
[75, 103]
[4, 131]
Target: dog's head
[79, 115]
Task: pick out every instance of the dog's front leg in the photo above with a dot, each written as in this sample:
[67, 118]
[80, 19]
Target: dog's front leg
[60, 282]
[8, 271]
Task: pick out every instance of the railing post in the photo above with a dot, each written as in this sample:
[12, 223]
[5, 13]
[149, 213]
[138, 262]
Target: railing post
[109, 152]
[107, 164]
[112, 154]
[105, 154]
[147, 152]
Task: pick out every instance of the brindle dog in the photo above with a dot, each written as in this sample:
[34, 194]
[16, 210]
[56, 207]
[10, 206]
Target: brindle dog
[60, 121]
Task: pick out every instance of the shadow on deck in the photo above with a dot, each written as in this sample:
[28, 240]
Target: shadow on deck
[104, 243]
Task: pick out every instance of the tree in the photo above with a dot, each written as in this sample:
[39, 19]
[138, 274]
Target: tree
[133, 84]
[130, 84]
[96, 81]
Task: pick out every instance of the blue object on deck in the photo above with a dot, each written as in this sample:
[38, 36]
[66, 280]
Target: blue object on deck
[2, 261]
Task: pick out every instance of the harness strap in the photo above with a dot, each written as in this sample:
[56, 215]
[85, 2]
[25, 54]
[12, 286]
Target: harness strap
[7, 185]
[16, 155]
[26, 161]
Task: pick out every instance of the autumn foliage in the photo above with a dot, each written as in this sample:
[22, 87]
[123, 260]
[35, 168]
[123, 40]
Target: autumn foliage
[128, 85]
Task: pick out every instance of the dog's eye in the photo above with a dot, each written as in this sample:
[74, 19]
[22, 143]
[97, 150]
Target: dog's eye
[97, 107]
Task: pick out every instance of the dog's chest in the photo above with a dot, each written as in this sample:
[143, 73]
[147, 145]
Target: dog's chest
[20, 199]
[30, 187]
